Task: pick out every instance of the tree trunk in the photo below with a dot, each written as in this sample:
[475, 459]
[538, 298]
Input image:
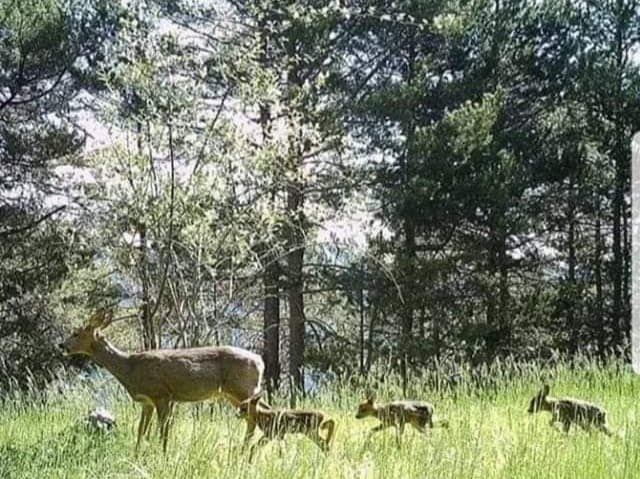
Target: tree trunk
[600, 326]
[626, 272]
[296, 317]
[373, 314]
[295, 278]
[362, 315]
[617, 269]
[621, 161]
[149, 333]
[271, 332]
[271, 276]
[406, 336]
[574, 327]
[409, 250]
[437, 336]
[602, 332]
[296, 228]
[503, 294]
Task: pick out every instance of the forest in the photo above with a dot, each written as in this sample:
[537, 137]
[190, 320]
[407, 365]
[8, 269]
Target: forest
[349, 188]
[337, 214]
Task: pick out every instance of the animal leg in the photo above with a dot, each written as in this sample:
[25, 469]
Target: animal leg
[378, 428]
[329, 426]
[261, 442]
[554, 418]
[318, 440]
[399, 432]
[251, 429]
[603, 428]
[280, 449]
[164, 409]
[147, 424]
[143, 425]
[585, 426]
[421, 428]
[566, 425]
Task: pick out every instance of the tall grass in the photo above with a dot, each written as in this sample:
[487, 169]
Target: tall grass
[491, 435]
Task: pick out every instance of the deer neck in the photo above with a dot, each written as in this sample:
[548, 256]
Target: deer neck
[261, 412]
[112, 359]
[549, 403]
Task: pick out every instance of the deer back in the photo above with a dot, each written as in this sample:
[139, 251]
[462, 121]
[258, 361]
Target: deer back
[195, 374]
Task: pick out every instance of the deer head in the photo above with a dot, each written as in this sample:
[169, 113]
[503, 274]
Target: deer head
[538, 402]
[367, 407]
[248, 407]
[83, 340]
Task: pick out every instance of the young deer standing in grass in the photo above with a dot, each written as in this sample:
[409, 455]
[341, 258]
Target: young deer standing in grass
[398, 413]
[275, 423]
[570, 411]
[160, 377]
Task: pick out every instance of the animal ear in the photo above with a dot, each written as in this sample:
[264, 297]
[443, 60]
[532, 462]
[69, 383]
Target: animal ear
[371, 395]
[101, 319]
[107, 318]
[97, 319]
[545, 390]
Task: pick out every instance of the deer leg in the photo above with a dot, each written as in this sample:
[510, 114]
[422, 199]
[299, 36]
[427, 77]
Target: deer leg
[147, 423]
[420, 427]
[378, 428]
[143, 425]
[248, 435]
[164, 409]
[585, 426]
[554, 418]
[318, 440]
[604, 428]
[399, 428]
[566, 425]
[280, 449]
[261, 442]
[399, 432]
[322, 444]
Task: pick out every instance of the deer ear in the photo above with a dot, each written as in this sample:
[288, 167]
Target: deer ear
[371, 396]
[545, 390]
[97, 319]
[107, 318]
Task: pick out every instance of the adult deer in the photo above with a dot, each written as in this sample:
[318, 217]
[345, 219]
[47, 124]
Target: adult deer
[160, 377]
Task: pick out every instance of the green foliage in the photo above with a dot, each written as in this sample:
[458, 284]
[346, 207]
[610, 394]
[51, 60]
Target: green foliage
[48, 51]
[480, 148]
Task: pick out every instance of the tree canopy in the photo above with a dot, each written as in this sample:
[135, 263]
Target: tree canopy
[347, 187]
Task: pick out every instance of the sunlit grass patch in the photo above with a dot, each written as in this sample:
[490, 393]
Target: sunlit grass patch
[491, 435]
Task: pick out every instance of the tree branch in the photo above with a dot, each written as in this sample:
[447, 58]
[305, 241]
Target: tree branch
[22, 229]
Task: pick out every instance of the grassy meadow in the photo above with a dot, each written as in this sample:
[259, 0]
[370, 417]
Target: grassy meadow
[491, 434]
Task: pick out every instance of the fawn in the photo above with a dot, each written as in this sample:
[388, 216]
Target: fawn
[275, 423]
[398, 413]
[570, 411]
